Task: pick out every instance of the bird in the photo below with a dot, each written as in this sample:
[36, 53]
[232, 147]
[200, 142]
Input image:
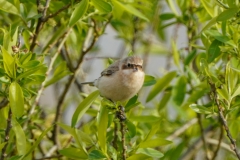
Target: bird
[121, 80]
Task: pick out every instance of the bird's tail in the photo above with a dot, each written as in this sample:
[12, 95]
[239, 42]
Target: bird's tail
[89, 83]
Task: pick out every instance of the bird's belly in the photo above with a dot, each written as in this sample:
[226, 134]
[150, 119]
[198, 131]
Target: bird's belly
[120, 88]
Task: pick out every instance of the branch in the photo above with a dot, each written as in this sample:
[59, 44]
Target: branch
[224, 122]
[7, 131]
[203, 136]
[218, 144]
[71, 80]
[65, 35]
[3, 103]
[187, 155]
[40, 22]
[182, 129]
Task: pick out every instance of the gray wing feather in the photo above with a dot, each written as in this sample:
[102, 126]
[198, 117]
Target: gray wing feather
[111, 69]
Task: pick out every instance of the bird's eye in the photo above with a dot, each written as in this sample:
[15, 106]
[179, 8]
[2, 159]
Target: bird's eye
[129, 65]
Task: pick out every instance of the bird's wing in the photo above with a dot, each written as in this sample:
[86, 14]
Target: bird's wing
[111, 69]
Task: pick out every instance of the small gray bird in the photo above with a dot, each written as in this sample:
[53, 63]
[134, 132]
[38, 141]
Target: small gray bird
[121, 80]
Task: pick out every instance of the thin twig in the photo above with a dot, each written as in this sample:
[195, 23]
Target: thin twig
[69, 83]
[124, 147]
[203, 136]
[7, 131]
[222, 144]
[219, 143]
[115, 136]
[48, 72]
[182, 129]
[224, 122]
[3, 103]
[196, 145]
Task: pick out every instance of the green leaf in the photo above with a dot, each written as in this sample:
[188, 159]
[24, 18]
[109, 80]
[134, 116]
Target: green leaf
[20, 137]
[78, 12]
[8, 7]
[83, 107]
[160, 85]
[60, 72]
[209, 24]
[164, 100]
[149, 119]
[154, 143]
[129, 9]
[102, 6]
[31, 71]
[152, 132]
[73, 153]
[102, 123]
[25, 58]
[76, 135]
[2, 145]
[149, 80]
[236, 92]
[138, 157]
[223, 92]
[214, 50]
[209, 7]
[200, 109]
[175, 54]
[222, 38]
[96, 154]
[16, 99]
[197, 93]
[227, 14]
[150, 152]
[37, 142]
[9, 63]
[166, 16]
[131, 129]
[178, 91]
[172, 5]
[30, 64]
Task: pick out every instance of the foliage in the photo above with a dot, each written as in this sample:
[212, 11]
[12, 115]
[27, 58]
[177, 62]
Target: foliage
[184, 113]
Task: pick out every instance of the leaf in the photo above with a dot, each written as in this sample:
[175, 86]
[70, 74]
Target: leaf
[222, 38]
[172, 6]
[175, 54]
[129, 9]
[8, 7]
[164, 100]
[236, 92]
[150, 152]
[60, 72]
[25, 58]
[96, 154]
[214, 50]
[39, 139]
[166, 16]
[209, 7]
[73, 153]
[178, 91]
[31, 71]
[154, 143]
[102, 123]
[152, 132]
[131, 129]
[20, 137]
[223, 92]
[83, 107]
[78, 12]
[149, 119]
[16, 99]
[227, 14]
[30, 64]
[2, 145]
[138, 157]
[9, 63]
[200, 109]
[149, 80]
[102, 6]
[160, 85]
